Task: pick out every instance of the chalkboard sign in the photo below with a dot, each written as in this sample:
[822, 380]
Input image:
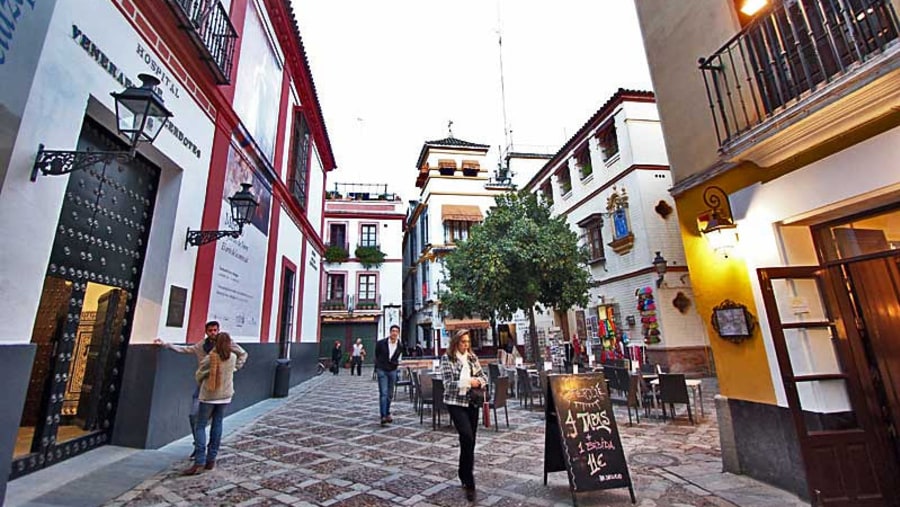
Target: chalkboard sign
[582, 437]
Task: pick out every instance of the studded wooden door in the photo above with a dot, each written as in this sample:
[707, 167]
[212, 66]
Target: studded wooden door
[84, 319]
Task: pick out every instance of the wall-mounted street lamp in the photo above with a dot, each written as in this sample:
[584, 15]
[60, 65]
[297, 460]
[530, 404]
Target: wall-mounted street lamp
[140, 116]
[720, 230]
[661, 265]
[243, 206]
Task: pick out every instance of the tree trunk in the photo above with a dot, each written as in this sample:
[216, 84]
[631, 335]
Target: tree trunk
[532, 337]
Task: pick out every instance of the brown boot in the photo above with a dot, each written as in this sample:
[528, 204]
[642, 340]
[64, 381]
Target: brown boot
[210, 465]
[192, 470]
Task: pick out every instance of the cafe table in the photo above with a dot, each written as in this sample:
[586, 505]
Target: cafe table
[693, 384]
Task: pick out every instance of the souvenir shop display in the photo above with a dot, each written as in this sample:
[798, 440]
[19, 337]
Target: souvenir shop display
[646, 305]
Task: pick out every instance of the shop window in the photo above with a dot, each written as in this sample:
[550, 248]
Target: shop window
[479, 338]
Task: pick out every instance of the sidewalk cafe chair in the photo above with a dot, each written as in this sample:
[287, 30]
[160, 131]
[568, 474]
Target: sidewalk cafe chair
[501, 390]
[526, 389]
[426, 394]
[673, 389]
[404, 378]
[437, 405]
[633, 397]
[414, 389]
[493, 375]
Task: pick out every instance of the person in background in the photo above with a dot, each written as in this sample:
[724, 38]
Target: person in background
[337, 354]
[388, 353]
[200, 349]
[359, 355]
[215, 377]
[461, 372]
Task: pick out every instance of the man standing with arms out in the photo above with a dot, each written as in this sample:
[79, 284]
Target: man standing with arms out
[387, 358]
[201, 349]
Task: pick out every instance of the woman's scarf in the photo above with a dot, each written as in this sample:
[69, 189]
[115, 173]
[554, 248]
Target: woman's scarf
[212, 382]
[465, 377]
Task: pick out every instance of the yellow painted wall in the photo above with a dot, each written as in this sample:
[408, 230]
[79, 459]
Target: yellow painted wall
[742, 369]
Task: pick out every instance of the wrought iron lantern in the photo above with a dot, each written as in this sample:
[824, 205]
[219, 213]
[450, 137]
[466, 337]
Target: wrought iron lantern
[720, 230]
[140, 116]
[243, 206]
[661, 265]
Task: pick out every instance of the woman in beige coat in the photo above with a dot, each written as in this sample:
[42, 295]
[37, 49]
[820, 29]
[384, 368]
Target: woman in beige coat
[216, 379]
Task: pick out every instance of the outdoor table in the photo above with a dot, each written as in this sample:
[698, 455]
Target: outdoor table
[693, 384]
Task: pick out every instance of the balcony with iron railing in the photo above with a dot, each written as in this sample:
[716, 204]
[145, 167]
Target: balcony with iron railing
[793, 61]
[335, 304]
[207, 24]
[368, 303]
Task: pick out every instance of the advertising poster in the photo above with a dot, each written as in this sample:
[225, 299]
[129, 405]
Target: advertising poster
[258, 90]
[239, 271]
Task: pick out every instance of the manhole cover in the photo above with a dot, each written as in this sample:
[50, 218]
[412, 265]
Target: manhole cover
[655, 459]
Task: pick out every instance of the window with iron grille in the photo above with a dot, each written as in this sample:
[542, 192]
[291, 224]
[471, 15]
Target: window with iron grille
[594, 237]
[366, 289]
[335, 288]
[300, 163]
[368, 235]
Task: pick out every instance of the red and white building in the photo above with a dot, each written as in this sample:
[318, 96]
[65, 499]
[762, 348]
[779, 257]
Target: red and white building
[95, 265]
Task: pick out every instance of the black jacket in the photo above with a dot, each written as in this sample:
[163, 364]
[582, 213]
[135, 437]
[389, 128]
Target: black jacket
[382, 361]
[337, 354]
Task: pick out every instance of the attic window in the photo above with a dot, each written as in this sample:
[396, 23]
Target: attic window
[447, 167]
[470, 168]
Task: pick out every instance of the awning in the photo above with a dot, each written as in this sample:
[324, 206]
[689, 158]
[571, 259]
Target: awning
[461, 213]
[446, 164]
[471, 164]
[454, 324]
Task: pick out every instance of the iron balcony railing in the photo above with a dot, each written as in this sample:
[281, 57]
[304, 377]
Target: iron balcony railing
[335, 304]
[207, 24]
[368, 303]
[787, 54]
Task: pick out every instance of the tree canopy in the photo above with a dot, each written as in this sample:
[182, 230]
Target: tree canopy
[519, 257]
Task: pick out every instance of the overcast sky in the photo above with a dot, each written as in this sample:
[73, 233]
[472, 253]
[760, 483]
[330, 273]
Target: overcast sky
[391, 74]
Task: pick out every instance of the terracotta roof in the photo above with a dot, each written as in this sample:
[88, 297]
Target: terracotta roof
[450, 142]
[621, 95]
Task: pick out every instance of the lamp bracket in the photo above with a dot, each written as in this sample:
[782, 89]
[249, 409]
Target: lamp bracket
[197, 238]
[717, 200]
[59, 162]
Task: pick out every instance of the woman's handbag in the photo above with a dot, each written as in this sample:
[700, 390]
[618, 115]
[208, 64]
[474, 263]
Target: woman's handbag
[476, 396]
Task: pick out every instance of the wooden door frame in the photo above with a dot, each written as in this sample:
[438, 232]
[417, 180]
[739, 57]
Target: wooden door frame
[836, 318]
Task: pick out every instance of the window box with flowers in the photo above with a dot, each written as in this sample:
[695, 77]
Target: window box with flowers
[336, 254]
[369, 256]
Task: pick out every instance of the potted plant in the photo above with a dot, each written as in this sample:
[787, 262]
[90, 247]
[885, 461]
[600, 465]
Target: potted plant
[336, 254]
[369, 256]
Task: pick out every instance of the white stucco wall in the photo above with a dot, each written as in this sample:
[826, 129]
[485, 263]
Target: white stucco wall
[863, 171]
[53, 116]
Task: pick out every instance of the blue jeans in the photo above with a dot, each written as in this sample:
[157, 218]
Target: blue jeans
[195, 408]
[386, 381]
[216, 413]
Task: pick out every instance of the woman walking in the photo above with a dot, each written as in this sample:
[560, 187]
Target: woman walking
[216, 379]
[359, 354]
[463, 378]
[337, 354]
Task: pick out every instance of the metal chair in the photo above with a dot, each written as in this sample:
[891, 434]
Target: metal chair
[673, 389]
[437, 405]
[499, 400]
[493, 374]
[526, 391]
[426, 394]
[404, 378]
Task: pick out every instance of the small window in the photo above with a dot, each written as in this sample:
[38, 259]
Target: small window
[456, 230]
[583, 162]
[564, 180]
[337, 235]
[300, 163]
[608, 142]
[366, 290]
[547, 192]
[368, 235]
[335, 288]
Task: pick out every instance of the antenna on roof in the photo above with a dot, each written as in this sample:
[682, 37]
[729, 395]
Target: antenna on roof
[506, 131]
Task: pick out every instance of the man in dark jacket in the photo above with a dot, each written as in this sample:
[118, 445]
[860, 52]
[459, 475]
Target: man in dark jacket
[387, 358]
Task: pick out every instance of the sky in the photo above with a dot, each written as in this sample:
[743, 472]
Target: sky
[391, 74]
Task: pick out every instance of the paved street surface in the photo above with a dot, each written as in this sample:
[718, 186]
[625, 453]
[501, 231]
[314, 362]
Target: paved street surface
[324, 447]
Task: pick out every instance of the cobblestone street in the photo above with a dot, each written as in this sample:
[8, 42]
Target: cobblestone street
[325, 447]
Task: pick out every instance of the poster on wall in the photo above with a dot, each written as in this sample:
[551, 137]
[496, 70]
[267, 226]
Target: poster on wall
[239, 271]
[258, 90]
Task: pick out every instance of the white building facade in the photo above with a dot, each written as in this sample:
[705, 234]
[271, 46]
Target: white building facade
[361, 300]
[611, 182]
[96, 264]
